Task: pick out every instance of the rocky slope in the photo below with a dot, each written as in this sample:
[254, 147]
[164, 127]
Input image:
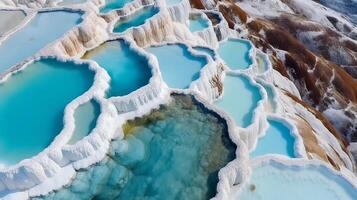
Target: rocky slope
[313, 46]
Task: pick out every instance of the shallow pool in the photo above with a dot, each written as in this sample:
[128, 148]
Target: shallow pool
[164, 155]
[197, 23]
[262, 63]
[70, 2]
[172, 2]
[85, 117]
[32, 105]
[137, 19]
[239, 100]
[277, 140]
[113, 5]
[9, 19]
[128, 70]
[206, 51]
[272, 104]
[274, 180]
[235, 53]
[39, 32]
[177, 65]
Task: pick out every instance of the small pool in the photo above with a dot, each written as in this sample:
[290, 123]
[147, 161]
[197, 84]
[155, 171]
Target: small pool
[235, 53]
[262, 63]
[85, 117]
[137, 19]
[177, 65]
[275, 180]
[206, 51]
[172, 2]
[272, 104]
[128, 70]
[71, 2]
[213, 17]
[197, 23]
[113, 5]
[9, 19]
[32, 105]
[277, 140]
[164, 155]
[239, 100]
[39, 32]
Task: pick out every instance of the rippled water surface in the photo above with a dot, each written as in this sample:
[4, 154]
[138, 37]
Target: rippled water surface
[173, 153]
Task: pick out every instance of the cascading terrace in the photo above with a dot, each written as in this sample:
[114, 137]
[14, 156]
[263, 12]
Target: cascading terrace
[152, 99]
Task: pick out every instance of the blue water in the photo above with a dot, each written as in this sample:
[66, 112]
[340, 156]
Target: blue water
[32, 104]
[207, 51]
[239, 100]
[272, 104]
[177, 65]
[172, 2]
[235, 53]
[277, 140]
[40, 31]
[197, 23]
[128, 71]
[85, 117]
[276, 181]
[164, 155]
[137, 19]
[113, 5]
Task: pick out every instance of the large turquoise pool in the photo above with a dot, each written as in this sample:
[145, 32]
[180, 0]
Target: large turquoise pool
[128, 70]
[40, 31]
[274, 180]
[235, 53]
[9, 19]
[277, 140]
[32, 105]
[85, 117]
[113, 5]
[177, 64]
[137, 19]
[240, 98]
[164, 155]
[197, 23]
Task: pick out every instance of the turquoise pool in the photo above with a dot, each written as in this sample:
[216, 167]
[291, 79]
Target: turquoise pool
[172, 2]
[113, 5]
[235, 53]
[137, 19]
[272, 104]
[277, 140]
[274, 180]
[85, 117]
[206, 51]
[32, 105]
[40, 31]
[239, 100]
[197, 23]
[164, 155]
[9, 19]
[128, 70]
[177, 65]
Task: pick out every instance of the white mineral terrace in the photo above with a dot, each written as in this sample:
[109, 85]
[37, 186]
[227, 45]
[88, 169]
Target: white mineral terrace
[56, 165]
